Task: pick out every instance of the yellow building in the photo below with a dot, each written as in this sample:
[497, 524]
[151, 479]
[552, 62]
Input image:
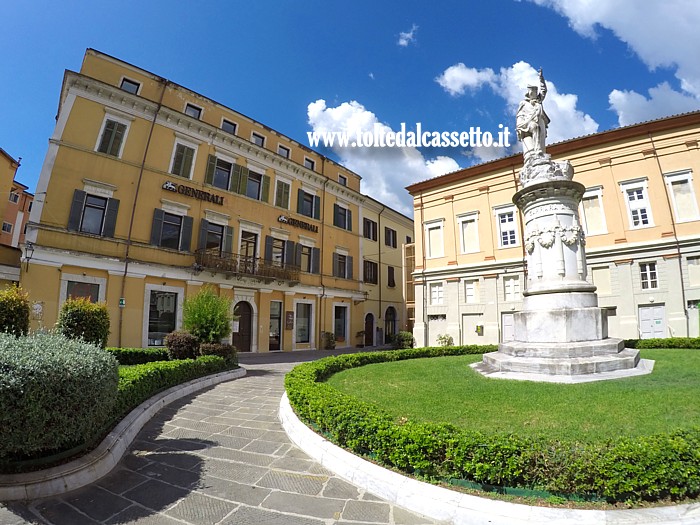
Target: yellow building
[639, 212]
[16, 215]
[150, 191]
[11, 199]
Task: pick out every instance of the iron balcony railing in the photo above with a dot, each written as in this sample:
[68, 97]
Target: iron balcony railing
[233, 264]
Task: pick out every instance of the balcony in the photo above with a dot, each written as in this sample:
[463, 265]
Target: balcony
[239, 266]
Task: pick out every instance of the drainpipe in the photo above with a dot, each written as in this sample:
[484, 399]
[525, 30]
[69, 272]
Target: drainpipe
[321, 314]
[165, 83]
[379, 277]
[425, 284]
[675, 238]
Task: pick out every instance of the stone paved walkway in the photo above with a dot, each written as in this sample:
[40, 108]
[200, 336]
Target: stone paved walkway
[218, 456]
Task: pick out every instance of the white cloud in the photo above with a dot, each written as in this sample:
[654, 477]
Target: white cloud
[458, 78]
[662, 34]
[510, 84]
[406, 38]
[385, 172]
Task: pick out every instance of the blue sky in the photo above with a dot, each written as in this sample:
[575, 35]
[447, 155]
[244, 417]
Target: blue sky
[299, 66]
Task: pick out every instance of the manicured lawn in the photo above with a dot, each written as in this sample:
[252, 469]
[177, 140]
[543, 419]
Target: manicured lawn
[446, 389]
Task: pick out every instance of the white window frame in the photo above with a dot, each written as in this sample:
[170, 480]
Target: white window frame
[645, 275]
[632, 185]
[132, 81]
[14, 197]
[348, 339]
[498, 211]
[476, 289]
[256, 134]
[180, 291]
[189, 105]
[9, 224]
[435, 286]
[512, 279]
[311, 162]
[121, 118]
[189, 144]
[285, 148]
[79, 278]
[468, 217]
[677, 176]
[250, 227]
[342, 179]
[438, 224]
[235, 126]
[594, 192]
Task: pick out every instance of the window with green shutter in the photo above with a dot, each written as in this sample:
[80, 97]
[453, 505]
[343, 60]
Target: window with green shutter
[282, 194]
[112, 137]
[182, 161]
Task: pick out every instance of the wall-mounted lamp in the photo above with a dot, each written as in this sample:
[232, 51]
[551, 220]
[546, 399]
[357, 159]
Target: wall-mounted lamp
[28, 253]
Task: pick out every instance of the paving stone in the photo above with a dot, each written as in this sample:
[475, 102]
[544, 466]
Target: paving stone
[234, 471]
[59, 513]
[182, 478]
[290, 482]
[186, 434]
[368, 496]
[262, 460]
[264, 425]
[156, 495]
[278, 436]
[404, 517]
[137, 515]
[305, 505]
[181, 460]
[366, 511]
[200, 426]
[337, 488]
[97, 503]
[233, 491]
[16, 514]
[232, 441]
[201, 510]
[121, 480]
[262, 447]
[251, 433]
[253, 516]
[294, 464]
[225, 420]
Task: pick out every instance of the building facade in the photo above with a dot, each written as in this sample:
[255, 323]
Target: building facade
[13, 201]
[150, 191]
[640, 214]
[16, 216]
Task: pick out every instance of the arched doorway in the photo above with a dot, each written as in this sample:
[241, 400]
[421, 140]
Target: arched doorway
[389, 324]
[369, 330]
[243, 337]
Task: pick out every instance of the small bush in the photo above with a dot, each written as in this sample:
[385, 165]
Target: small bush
[137, 356]
[81, 319]
[14, 311]
[224, 350]
[56, 393]
[403, 340]
[445, 340]
[327, 341]
[181, 345]
[207, 316]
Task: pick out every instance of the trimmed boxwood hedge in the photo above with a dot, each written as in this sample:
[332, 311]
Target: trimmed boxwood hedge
[669, 342]
[658, 467]
[138, 356]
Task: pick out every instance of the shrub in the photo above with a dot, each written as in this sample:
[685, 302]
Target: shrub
[402, 340]
[137, 356]
[224, 350]
[650, 468]
[668, 342]
[55, 393]
[81, 319]
[181, 345]
[445, 340]
[327, 341]
[207, 316]
[14, 311]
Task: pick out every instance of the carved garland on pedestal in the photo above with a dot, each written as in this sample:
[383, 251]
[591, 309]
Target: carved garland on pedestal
[569, 235]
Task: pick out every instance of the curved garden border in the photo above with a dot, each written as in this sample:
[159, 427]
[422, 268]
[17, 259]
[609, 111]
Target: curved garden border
[99, 462]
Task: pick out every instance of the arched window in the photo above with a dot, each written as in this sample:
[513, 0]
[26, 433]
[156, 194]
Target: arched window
[389, 324]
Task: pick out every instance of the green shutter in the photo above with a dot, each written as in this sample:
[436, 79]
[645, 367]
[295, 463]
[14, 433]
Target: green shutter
[336, 215]
[228, 240]
[117, 137]
[349, 218]
[348, 267]
[203, 227]
[336, 266]
[317, 207]
[244, 180]
[186, 234]
[268, 247]
[235, 178]
[187, 162]
[265, 191]
[211, 167]
[76, 210]
[177, 162]
[110, 217]
[300, 200]
[315, 260]
[157, 226]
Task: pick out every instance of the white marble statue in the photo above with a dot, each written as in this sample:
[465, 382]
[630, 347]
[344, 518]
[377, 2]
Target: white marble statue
[532, 121]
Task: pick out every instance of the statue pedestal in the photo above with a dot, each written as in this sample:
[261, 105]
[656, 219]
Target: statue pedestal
[561, 335]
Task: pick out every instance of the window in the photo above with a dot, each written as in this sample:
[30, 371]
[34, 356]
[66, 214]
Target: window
[694, 271]
[648, 276]
[390, 237]
[408, 239]
[308, 204]
[170, 230]
[342, 266]
[310, 164]
[390, 322]
[92, 214]
[14, 196]
[193, 111]
[471, 291]
[257, 139]
[340, 322]
[369, 229]
[112, 137]
[130, 86]
[303, 323]
[221, 173]
[342, 180]
[342, 217]
[7, 227]
[30, 206]
[511, 288]
[638, 208]
[593, 216]
[162, 316]
[183, 158]
[254, 185]
[433, 238]
[214, 237]
[390, 279]
[506, 228]
[283, 151]
[468, 232]
[308, 258]
[229, 127]
[282, 191]
[601, 280]
[436, 293]
[371, 272]
[276, 251]
[249, 244]
[305, 258]
[685, 205]
[76, 290]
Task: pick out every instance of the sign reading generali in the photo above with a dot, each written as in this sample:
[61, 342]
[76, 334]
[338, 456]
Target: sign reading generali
[193, 192]
[299, 224]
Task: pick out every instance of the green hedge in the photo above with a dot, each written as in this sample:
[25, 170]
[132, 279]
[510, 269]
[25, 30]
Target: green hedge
[669, 342]
[138, 356]
[55, 393]
[652, 468]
